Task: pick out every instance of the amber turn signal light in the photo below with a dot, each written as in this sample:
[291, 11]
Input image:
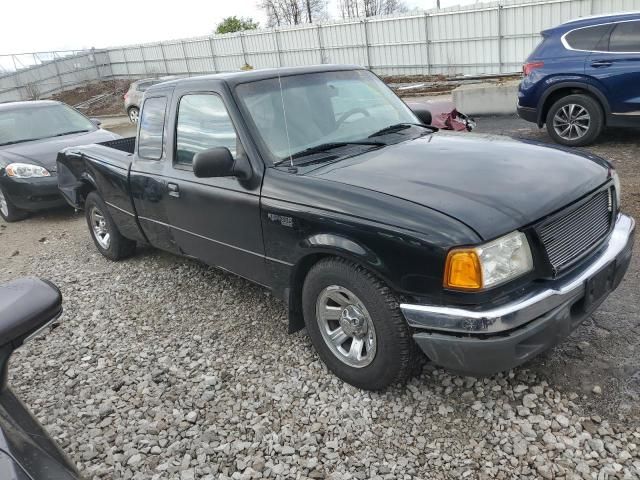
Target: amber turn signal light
[462, 270]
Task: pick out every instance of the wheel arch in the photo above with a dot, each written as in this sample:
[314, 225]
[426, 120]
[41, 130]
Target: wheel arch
[563, 89]
[315, 249]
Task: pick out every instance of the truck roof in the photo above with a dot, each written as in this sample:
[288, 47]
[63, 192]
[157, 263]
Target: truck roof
[234, 78]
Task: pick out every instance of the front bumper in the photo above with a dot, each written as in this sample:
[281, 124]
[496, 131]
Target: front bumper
[33, 193]
[483, 341]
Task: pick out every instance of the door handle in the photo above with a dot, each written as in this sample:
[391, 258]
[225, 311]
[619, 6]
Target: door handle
[601, 63]
[174, 190]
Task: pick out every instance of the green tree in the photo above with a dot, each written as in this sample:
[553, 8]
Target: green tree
[235, 24]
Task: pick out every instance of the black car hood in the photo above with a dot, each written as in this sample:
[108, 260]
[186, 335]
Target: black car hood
[492, 184]
[44, 152]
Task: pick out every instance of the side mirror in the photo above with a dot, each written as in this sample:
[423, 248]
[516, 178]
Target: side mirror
[214, 162]
[422, 112]
[96, 121]
[26, 306]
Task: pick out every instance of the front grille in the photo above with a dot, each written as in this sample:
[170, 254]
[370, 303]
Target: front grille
[571, 235]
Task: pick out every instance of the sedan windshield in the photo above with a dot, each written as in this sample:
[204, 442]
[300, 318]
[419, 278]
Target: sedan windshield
[23, 124]
[318, 109]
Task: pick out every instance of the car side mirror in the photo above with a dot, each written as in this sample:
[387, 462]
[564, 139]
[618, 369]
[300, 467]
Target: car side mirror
[27, 305]
[96, 121]
[422, 112]
[213, 162]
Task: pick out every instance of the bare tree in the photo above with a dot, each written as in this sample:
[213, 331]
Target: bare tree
[370, 8]
[294, 12]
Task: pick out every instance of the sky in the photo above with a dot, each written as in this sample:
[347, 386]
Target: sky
[45, 25]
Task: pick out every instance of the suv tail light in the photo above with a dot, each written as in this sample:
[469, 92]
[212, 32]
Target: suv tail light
[529, 67]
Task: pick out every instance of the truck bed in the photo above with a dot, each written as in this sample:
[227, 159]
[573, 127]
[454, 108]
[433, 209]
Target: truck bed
[96, 166]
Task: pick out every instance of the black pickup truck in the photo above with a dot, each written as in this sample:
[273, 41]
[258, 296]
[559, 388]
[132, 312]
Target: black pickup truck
[380, 234]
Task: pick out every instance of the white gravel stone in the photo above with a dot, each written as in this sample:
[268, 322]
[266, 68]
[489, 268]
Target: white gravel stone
[164, 369]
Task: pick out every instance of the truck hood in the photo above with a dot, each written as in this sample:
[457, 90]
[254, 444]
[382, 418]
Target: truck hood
[44, 152]
[492, 184]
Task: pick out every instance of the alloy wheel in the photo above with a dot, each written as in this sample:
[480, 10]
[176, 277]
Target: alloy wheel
[133, 115]
[346, 326]
[99, 228]
[572, 122]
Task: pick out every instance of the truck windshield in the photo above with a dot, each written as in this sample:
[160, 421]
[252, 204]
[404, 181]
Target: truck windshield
[317, 109]
[24, 124]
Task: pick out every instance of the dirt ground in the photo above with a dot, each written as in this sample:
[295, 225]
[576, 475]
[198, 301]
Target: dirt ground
[111, 104]
[604, 352]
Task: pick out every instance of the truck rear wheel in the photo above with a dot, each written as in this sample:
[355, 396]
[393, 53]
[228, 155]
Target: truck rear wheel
[104, 232]
[356, 327]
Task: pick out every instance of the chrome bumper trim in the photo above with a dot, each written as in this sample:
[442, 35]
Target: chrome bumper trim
[530, 306]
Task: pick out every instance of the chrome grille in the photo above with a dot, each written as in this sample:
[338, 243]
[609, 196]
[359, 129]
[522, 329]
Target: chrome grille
[568, 237]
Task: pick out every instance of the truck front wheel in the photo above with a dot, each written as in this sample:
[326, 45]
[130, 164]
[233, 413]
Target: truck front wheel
[356, 327]
[104, 232]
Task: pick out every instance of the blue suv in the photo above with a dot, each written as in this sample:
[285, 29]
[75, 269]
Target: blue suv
[584, 75]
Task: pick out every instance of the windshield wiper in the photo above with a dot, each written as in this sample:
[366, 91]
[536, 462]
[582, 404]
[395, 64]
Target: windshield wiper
[13, 142]
[396, 127]
[325, 147]
[71, 133]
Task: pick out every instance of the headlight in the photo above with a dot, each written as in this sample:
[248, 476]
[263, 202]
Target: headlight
[488, 265]
[617, 187]
[24, 170]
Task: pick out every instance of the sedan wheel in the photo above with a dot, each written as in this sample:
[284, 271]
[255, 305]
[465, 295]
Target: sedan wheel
[572, 122]
[134, 113]
[346, 326]
[4, 207]
[100, 230]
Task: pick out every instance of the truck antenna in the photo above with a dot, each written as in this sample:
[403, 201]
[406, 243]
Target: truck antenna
[286, 128]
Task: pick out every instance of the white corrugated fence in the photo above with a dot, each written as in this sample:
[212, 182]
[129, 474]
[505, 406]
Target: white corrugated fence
[492, 37]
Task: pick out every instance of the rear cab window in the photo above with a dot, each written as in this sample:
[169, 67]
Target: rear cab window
[588, 39]
[151, 135]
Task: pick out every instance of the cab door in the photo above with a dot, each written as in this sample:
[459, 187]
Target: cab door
[216, 220]
[147, 183]
[617, 68]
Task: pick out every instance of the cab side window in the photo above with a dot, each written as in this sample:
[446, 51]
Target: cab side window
[625, 37]
[203, 123]
[150, 138]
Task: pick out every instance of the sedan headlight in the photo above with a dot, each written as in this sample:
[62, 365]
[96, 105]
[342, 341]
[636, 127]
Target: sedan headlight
[25, 170]
[488, 265]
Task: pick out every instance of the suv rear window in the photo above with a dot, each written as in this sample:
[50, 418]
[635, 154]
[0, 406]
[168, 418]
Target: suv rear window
[625, 37]
[588, 38]
[152, 128]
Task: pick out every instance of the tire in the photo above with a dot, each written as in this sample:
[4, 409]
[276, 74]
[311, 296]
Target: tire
[106, 236]
[586, 120]
[133, 114]
[392, 356]
[8, 211]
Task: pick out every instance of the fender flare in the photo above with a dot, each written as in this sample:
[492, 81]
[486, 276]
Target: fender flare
[572, 84]
[314, 248]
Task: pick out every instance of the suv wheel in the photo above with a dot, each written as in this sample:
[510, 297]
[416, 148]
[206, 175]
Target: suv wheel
[8, 211]
[134, 114]
[575, 120]
[356, 327]
[104, 232]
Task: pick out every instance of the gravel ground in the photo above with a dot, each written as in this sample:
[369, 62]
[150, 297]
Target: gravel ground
[164, 368]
